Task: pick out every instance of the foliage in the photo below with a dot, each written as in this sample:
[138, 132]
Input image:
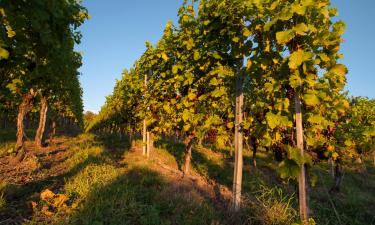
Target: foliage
[37, 54]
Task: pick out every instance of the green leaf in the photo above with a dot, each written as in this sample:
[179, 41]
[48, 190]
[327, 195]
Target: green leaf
[288, 169]
[216, 55]
[295, 155]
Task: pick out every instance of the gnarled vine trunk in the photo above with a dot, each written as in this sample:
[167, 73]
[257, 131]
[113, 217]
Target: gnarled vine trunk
[23, 109]
[254, 147]
[338, 175]
[39, 136]
[188, 152]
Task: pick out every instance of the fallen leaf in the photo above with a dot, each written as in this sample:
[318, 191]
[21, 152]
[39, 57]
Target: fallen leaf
[47, 194]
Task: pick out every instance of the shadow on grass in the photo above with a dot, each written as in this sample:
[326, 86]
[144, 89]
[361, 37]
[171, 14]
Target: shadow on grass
[18, 196]
[8, 135]
[208, 167]
[142, 196]
[176, 149]
[114, 144]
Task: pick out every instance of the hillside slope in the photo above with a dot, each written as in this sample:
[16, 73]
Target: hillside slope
[101, 180]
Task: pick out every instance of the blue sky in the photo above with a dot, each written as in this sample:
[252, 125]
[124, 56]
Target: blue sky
[114, 38]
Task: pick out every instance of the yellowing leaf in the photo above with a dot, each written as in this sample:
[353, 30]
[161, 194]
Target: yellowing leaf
[4, 54]
[164, 56]
[249, 63]
[339, 70]
[187, 127]
[295, 79]
[324, 57]
[311, 99]
[213, 82]
[196, 55]
[185, 18]
[185, 115]
[167, 108]
[191, 96]
[298, 57]
[174, 69]
[59, 200]
[246, 32]
[235, 39]
[301, 29]
[11, 33]
[335, 155]
[46, 195]
[299, 9]
[189, 44]
[283, 37]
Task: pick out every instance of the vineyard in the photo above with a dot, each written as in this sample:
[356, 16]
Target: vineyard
[237, 115]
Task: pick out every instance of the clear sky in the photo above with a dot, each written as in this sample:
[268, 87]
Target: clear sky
[114, 38]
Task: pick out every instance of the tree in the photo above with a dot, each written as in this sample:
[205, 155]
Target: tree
[36, 51]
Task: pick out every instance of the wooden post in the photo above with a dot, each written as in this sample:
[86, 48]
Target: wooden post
[148, 144]
[302, 190]
[144, 146]
[238, 140]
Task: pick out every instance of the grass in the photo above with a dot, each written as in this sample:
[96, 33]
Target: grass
[103, 182]
[8, 140]
[103, 189]
[2, 197]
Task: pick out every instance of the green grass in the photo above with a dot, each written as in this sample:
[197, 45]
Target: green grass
[2, 197]
[105, 183]
[134, 196]
[8, 140]
[102, 190]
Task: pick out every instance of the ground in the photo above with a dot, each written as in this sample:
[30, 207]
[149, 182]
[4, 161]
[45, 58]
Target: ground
[102, 180]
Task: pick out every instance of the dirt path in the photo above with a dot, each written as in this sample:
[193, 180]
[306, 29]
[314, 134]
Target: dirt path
[37, 165]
